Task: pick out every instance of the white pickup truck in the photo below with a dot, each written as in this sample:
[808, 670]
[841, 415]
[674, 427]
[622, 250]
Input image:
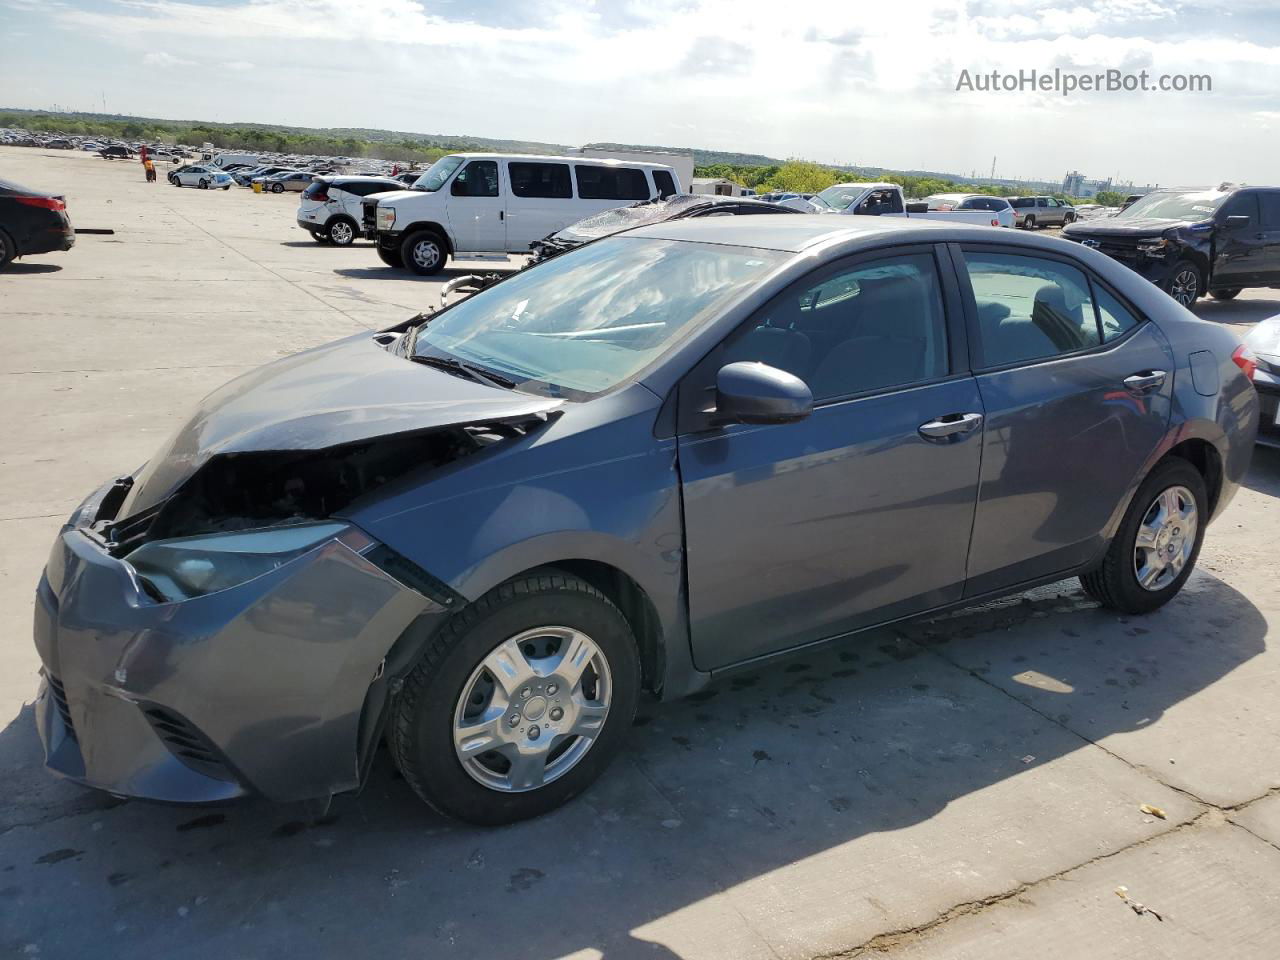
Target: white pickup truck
[886, 200]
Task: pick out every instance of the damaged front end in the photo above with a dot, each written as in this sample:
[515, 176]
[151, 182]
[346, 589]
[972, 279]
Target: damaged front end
[214, 626]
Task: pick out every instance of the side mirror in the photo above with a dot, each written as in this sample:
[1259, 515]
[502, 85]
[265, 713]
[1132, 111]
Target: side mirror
[1236, 221]
[749, 392]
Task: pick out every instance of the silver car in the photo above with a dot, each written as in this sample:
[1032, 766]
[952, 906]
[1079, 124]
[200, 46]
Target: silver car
[1032, 212]
[666, 455]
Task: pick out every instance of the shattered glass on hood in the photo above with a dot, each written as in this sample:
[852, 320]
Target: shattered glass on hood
[624, 218]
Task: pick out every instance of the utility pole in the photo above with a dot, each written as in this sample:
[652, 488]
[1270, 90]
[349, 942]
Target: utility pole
[993, 168]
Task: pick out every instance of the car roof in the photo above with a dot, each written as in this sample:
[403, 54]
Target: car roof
[591, 161]
[359, 178]
[805, 231]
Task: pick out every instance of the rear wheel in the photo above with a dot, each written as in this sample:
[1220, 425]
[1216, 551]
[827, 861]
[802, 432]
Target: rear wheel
[1229, 294]
[390, 256]
[277, 188]
[1184, 283]
[342, 232]
[319, 236]
[1029, 222]
[520, 701]
[1157, 544]
[423, 253]
[8, 250]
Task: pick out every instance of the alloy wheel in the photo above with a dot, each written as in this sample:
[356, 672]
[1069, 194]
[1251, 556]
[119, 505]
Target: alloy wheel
[341, 233]
[532, 709]
[1185, 287]
[1165, 539]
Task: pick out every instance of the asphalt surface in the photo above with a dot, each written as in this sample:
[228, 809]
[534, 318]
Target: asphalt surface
[968, 787]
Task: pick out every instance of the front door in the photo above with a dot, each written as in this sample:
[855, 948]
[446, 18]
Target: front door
[853, 516]
[1269, 269]
[1241, 249]
[1076, 392]
[477, 209]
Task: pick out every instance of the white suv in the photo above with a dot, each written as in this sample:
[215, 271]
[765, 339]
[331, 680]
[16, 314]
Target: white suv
[486, 204]
[330, 208]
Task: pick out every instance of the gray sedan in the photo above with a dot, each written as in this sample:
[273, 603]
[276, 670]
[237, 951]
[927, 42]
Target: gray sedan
[661, 457]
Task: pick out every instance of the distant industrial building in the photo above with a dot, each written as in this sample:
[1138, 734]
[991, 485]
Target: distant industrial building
[1074, 184]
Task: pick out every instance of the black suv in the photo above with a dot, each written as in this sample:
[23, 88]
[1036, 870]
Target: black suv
[1188, 242]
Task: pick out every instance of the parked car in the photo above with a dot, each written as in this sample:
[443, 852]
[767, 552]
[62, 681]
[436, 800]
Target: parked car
[645, 212]
[490, 204]
[117, 152]
[246, 177]
[32, 222]
[1032, 212]
[407, 179]
[330, 207]
[1219, 240]
[1264, 343]
[973, 201]
[200, 175]
[886, 199]
[295, 180]
[641, 465]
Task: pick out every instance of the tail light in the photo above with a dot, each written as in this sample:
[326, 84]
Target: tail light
[995, 222]
[46, 203]
[321, 196]
[1244, 359]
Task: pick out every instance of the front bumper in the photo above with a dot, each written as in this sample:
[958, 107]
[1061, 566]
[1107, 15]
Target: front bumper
[262, 688]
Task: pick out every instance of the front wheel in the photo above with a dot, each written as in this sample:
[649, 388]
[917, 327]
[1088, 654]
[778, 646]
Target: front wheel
[1229, 294]
[1069, 219]
[203, 184]
[1184, 283]
[423, 253]
[391, 256]
[520, 701]
[7, 250]
[1156, 546]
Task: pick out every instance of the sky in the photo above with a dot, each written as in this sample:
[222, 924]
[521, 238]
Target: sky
[873, 85]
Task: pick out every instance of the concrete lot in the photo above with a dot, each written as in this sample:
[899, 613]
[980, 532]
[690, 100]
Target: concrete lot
[968, 787]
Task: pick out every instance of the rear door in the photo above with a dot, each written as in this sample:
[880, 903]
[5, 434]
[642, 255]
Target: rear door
[541, 201]
[1076, 389]
[477, 209]
[797, 532]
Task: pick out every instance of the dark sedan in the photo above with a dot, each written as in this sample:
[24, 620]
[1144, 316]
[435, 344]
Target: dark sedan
[667, 455]
[609, 222]
[32, 222]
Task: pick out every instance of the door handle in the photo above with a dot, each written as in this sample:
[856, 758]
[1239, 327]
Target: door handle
[1145, 381]
[953, 424]
[502, 214]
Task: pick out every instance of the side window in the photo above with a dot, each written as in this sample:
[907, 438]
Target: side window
[867, 327]
[540, 180]
[479, 178]
[1029, 308]
[1270, 209]
[1113, 315]
[1243, 204]
[666, 185]
[611, 183]
[1041, 203]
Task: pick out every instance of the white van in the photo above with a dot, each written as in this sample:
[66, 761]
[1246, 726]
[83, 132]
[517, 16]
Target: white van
[226, 159]
[486, 204]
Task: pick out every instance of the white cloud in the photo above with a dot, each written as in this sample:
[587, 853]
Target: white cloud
[158, 58]
[239, 65]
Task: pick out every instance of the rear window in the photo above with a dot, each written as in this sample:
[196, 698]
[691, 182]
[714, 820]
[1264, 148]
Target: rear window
[540, 180]
[665, 183]
[363, 188]
[317, 187]
[611, 183]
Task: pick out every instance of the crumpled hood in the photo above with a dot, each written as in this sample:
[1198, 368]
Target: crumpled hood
[1112, 227]
[340, 393]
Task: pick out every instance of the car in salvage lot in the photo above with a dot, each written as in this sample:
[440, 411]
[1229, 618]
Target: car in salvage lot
[1216, 240]
[200, 175]
[32, 222]
[293, 180]
[330, 207]
[1264, 342]
[484, 532]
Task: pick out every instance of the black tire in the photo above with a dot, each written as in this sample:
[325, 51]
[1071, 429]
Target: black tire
[422, 722]
[319, 236]
[1185, 283]
[1068, 219]
[390, 256]
[277, 188]
[203, 184]
[1115, 583]
[1029, 222]
[342, 231]
[1229, 294]
[414, 252]
[227, 187]
[8, 249]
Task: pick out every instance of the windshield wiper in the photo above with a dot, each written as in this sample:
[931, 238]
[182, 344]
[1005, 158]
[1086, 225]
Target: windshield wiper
[458, 368]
